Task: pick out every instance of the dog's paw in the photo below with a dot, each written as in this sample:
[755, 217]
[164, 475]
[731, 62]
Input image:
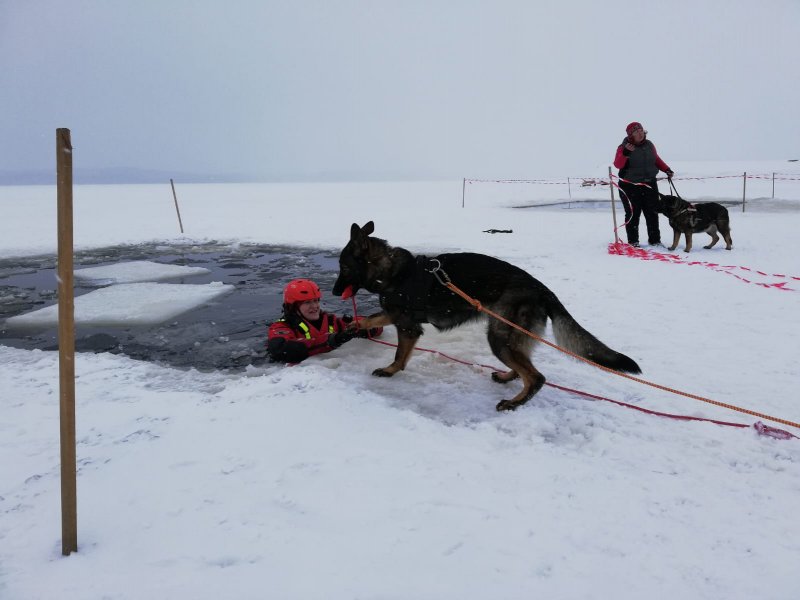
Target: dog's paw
[504, 405]
[504, 376]
[498, 377]
[382, 373]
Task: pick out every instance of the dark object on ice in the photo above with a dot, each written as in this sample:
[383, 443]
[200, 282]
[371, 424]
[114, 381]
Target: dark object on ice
[498, 231]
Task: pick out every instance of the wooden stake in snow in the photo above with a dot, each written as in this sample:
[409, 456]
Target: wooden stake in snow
[178, 210]
[613, 208]
[744, 189]
[66, 344]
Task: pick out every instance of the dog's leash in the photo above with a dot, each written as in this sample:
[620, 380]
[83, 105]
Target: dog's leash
[759, 426]
[673, 188]
[445, 280]
[691, 208]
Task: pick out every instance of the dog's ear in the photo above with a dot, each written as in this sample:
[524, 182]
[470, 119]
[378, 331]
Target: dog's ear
[356, 231]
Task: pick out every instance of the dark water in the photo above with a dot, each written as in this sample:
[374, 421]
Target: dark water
[228, 333]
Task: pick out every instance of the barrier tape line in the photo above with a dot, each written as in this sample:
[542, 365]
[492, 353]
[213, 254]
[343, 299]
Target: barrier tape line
[588, 181]
[623, 249]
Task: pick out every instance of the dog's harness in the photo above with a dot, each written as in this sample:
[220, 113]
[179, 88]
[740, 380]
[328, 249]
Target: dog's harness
[437, 271]
[413, 294]
[689, 208]
[694, 219]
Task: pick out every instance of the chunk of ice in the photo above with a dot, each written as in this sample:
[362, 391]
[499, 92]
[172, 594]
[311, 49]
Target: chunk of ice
[128, 304]
[135, 271]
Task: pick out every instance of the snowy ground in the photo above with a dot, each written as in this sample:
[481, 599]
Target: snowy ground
[320, 481]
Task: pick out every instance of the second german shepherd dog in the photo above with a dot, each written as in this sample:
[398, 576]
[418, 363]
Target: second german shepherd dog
[686, 219]
[410, 294]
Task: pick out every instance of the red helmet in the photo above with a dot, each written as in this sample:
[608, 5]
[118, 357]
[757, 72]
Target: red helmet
[299, 290]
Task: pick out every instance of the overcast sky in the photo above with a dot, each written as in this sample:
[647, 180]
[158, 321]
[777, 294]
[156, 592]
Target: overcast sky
[411, 89]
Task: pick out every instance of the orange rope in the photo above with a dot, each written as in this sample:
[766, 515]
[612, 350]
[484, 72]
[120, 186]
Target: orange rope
[478, 306]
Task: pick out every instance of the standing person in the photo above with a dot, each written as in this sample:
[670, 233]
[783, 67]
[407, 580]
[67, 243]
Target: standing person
[639, 163]
[305, 329]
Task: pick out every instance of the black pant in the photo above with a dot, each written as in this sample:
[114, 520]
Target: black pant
[638, 199]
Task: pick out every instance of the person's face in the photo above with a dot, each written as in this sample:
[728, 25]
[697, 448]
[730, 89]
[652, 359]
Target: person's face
[637, 135]
[309, 309]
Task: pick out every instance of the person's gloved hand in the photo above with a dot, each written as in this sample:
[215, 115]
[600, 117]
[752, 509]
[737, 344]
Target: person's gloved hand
[670, 174]
[370, 333]
[627, 148]
[337, 339]
[359, 331]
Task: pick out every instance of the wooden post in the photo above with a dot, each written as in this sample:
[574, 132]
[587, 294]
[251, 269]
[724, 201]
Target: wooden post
[613, 207]
[66, 344]
[463, 190]
[744, 189]
[177, 210]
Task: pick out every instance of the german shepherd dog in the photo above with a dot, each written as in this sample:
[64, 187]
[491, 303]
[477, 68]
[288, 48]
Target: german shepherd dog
[411, 293]
[686, 219]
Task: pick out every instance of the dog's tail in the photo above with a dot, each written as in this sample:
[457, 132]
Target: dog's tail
[570, 335]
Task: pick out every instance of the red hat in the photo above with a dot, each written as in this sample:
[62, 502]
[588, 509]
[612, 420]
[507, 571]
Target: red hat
[300, 290]
[631, 126]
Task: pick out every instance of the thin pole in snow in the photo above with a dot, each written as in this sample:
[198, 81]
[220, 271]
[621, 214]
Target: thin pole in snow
[463, 190]
[66, 344]
[744, 189]
[177, 210]
[613, 207]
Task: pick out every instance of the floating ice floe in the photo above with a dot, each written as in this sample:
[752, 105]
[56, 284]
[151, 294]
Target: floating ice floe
[136, 271]
[128, 304]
